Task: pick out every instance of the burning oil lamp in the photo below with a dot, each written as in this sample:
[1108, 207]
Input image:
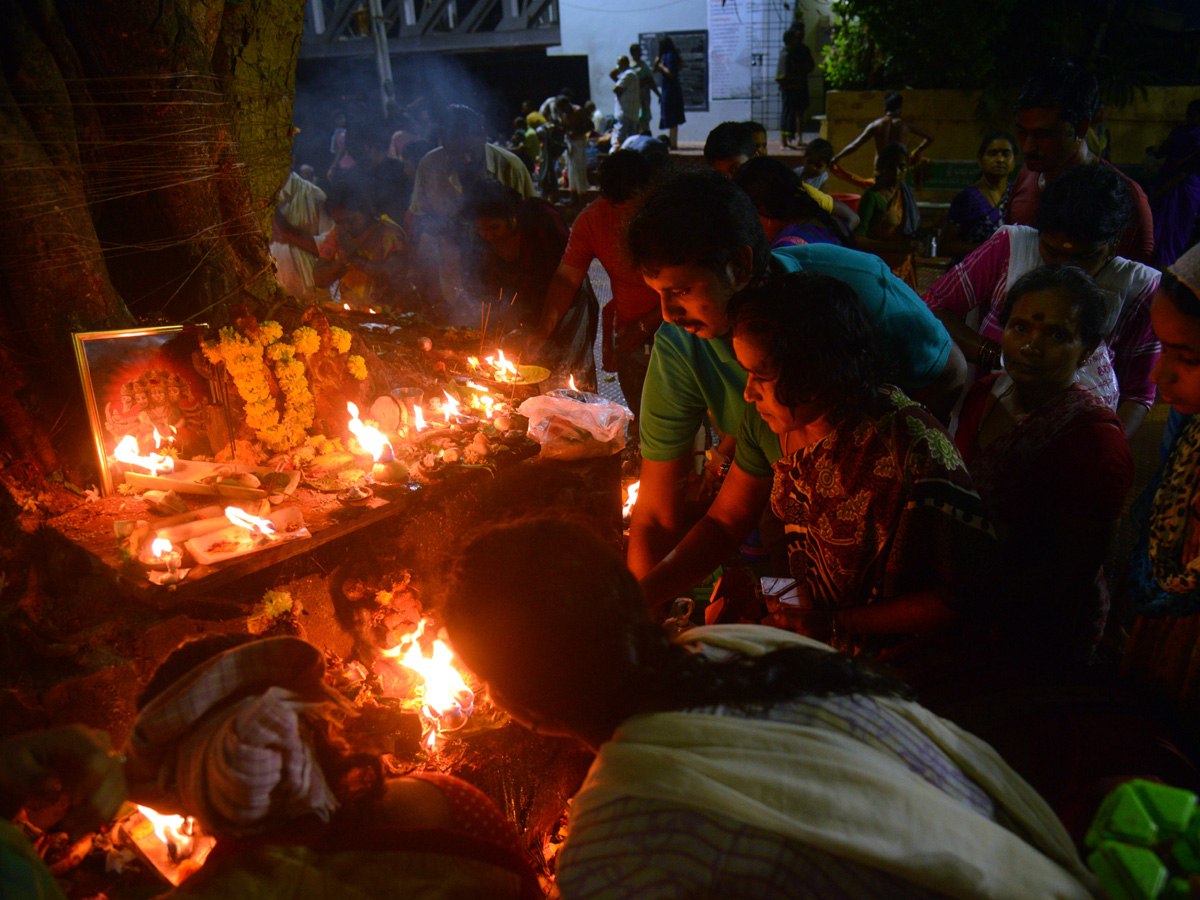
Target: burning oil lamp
[387, 469]
[631, 500]
[174, 845]
[446, 701]
[259, 530]
[164, 552]
[450, 409]
[127, 452]
[163, 555]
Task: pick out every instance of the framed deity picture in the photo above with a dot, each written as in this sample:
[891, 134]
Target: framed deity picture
[150, 390]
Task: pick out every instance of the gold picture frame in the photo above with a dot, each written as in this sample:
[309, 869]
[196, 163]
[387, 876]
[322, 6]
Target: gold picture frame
[139, 380]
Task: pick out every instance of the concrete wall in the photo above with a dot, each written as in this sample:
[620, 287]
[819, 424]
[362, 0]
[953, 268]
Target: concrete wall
[950, 117]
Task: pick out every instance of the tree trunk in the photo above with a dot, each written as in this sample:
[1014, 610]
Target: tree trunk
[143, 143]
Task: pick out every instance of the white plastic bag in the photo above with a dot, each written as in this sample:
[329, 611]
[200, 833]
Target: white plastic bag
[575, 424]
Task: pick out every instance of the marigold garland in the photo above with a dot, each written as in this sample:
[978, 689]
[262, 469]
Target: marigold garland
[357, 367]
[246, 361]
[306, 340]
[341, 339]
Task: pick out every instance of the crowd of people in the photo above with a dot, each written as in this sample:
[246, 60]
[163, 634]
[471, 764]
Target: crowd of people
[940, 476]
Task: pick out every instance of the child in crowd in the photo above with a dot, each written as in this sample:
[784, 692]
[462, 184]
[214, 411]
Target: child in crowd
[815, 170]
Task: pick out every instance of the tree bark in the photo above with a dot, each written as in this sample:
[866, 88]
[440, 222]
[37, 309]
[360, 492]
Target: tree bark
[143, 144]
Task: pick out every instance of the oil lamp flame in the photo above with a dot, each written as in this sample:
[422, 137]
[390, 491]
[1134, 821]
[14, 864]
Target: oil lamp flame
[473, 362]
[253, 523]
[127, 452]
[346, 306]
[159, 546]
[371, 438]
[418, 418]
[169, 829]
[631, 499]
[447, 702]
[571, 383]
[450, 407]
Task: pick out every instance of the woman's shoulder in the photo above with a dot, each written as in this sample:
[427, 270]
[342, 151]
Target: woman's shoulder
[1129, 278]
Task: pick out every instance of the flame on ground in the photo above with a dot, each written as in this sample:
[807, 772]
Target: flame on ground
[254, 523]
[447, 701]
[127, 452]
[370, 438]
[161, 822]
[630, 500]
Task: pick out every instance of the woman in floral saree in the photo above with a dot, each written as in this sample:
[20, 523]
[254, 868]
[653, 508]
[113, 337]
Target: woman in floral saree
[885, 535]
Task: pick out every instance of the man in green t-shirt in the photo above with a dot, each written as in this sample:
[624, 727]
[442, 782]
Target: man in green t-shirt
[698, 241]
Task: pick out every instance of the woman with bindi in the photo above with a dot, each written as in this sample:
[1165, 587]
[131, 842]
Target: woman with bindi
[1051, 463]
[1082, 216]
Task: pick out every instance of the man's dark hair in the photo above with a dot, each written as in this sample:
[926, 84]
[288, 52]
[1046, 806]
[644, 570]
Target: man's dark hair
[815, 334]
[461, 120]
[348, 196]
[819, 148]
[1062, 85]
[892, 102]
[1090, 203]
[1095, 305]
[488, 197]
[622, 174]
[998, 134]
[755, 127]
[522, 637]
[635, 50]
[727, 140]
[697, 217]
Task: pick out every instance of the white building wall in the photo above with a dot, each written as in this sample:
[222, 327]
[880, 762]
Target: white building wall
[603, 30]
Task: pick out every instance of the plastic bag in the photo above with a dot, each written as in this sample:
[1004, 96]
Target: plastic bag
[576, 424]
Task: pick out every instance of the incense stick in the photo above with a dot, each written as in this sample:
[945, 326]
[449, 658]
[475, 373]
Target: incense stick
[504, 323]
[487, 321]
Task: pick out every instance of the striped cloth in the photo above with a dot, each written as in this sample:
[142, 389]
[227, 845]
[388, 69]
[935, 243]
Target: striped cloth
[706, 854]
[846, 797]
[228, 743]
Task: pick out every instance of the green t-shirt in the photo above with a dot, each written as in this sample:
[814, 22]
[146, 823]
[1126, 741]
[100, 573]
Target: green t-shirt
[689, 376]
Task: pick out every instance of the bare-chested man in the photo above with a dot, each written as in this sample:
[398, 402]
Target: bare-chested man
[888, 128]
